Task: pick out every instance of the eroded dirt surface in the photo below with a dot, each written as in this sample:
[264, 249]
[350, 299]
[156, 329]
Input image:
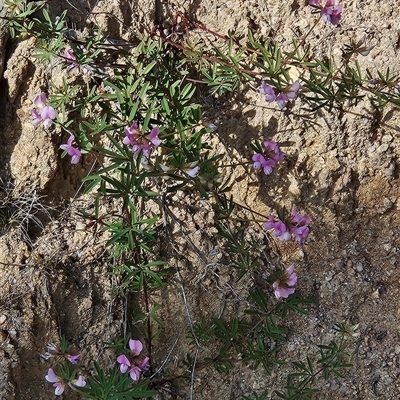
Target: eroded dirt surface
[342, 170]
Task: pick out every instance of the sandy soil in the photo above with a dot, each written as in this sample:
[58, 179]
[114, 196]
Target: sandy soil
[342, 169]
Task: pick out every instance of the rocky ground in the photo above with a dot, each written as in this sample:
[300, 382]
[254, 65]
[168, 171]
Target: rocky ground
[342, 170]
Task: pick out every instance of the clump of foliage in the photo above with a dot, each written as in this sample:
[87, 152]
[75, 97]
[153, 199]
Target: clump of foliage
[142, 120]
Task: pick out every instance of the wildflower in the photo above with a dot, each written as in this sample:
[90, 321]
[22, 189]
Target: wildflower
[300, 227]
[288, 94]
[74, 152]
[192, 169]
[267, 161]
[281, 98]
[70, 58]
[268, 91]
[124, 363]
[136, 347]
[283, 287]
[73, 359]
[296, 225]
[42, 112]
[134, 373]
[281, 230]
[136, 369]
[193, 172]
[140, 142]
[57, 383]
[80, 382]
[330, 12]
[213, 127]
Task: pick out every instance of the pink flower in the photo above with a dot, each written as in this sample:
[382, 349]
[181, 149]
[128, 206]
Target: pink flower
[269, 159]
[192, 169]
[268, 91]
[40, 100]
[296, 225]
[330, 12]
[124, 363]
[145, 363]
[193, 172]
[130, 134]
[43, 112]
[140, 142]
[74, 152]
[272, 150]
[283, 287]
[300, 227]
[153, 136]
[73, 359]
[136, 369]
[80, 382]
[70, 58]
[53, 378]
[289, 93]
[134, 373]
[281, 230]
[260, 162]
[136, 347]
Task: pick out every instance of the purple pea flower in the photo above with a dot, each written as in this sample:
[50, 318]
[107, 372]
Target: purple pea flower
[260, 162]
[268, 91]
[267, 161]
[192, 169]
[124, 363]
[193, 172]
[74, 152]
[272, 150]
[289, 93]
[73, 359]
[283, 287]
[134, 373]
[70, 58]
[330, 12]
[136, 347]
[80, 382]
[140, 142]
[53, 378]
[281, 230]
[42, 112]
[296, 225]
[300, 228]
[134, 370]
[130, 134]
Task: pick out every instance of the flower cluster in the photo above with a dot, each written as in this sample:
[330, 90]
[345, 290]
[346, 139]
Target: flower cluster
[42, 111]
[283, 287]
[330, 12]
[271, 156]
[74, 152]
[141, 142]
[281, 98]
[133, 367]
[59, 383]
[296, 225]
